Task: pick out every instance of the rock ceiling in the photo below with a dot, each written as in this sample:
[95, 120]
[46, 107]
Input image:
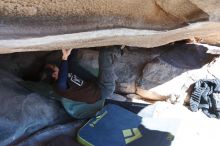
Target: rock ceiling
[31, 25]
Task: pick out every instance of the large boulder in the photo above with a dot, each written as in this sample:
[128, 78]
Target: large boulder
[23, 112]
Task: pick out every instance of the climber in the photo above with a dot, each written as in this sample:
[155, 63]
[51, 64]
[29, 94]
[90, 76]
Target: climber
[75, 83]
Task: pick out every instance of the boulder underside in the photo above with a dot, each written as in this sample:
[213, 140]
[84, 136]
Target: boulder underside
[32, 25]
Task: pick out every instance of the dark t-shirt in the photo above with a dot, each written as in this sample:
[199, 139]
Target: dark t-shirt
[77, 84]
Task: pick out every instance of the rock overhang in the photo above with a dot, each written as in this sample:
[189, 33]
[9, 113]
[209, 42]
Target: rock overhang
[53, 24]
